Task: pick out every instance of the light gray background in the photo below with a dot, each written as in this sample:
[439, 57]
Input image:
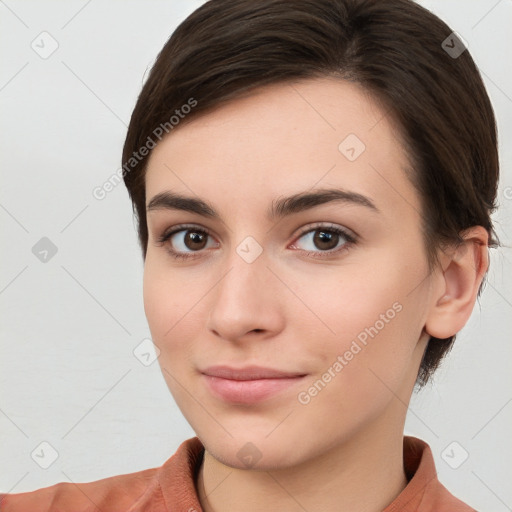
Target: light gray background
[68, 373]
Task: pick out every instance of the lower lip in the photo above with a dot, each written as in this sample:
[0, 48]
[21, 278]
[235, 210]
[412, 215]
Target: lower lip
[248, 391]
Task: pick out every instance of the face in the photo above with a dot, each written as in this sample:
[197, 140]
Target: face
[328, 295]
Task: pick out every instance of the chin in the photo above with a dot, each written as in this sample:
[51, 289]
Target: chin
[250, 449]
[258, 455]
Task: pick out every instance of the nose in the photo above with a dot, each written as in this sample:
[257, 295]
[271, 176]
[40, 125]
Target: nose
[247, 299]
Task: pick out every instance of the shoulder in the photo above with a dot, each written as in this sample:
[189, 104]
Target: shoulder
[119, 492]
[168, 487]
[439, 498]
[424, 492]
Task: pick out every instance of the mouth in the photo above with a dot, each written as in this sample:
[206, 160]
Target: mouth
[250, 384]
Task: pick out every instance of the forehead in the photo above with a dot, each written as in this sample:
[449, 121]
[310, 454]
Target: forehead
[285, 138]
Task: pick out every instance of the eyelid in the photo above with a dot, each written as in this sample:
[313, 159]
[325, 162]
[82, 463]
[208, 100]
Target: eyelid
[328, 226]
[351, 237]
[164, 237]
[306, 229]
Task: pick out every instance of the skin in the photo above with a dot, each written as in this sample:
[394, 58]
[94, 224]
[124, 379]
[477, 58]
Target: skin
[291, 311]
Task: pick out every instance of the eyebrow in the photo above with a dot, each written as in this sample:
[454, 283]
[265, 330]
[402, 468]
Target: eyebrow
[280, 208]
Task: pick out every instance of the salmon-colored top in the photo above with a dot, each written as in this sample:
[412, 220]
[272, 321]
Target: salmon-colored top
[171, 488]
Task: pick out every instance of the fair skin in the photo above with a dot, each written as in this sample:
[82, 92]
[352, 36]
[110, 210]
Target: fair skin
[293, 311]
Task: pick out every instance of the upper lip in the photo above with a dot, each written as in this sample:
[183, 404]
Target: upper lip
[248, 373]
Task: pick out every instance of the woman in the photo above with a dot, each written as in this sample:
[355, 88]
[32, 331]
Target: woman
[266, 132]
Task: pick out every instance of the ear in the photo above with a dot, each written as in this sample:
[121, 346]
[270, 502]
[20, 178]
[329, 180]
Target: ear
[462, 271]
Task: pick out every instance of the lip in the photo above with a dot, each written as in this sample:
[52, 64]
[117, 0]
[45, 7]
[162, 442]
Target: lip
[250, 384]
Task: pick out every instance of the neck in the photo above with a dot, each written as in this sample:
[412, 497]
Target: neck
[364, 474]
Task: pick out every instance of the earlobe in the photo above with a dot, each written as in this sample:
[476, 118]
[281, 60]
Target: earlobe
[459, 280]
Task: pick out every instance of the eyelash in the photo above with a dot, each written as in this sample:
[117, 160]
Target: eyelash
[350, 240]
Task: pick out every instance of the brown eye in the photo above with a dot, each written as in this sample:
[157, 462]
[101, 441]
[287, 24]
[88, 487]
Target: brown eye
[189, 240]
[183, 241]
[324, 239]
[195, 240]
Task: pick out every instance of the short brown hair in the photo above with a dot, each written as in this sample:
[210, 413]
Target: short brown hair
[395, 49]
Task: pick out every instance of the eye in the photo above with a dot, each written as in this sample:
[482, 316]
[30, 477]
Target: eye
[328, 238]
[184, 241]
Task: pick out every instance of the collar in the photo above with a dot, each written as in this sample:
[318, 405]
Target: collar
[423, 493]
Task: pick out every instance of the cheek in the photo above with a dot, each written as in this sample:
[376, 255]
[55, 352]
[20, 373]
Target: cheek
[356, 298]
[375, 319]
[172, 303]
[166, 306]
[359, 375]
[165, 303]
[157, 301]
